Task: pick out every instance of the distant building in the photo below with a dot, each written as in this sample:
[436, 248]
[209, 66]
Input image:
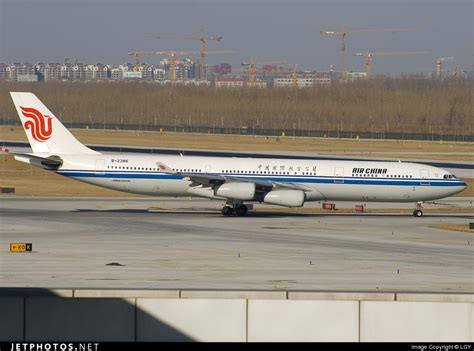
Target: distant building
[356, 75]
[96, 72]
[208, 73]
[305, 82]
[230, 82]
[222, 69]
[72, 71]
[195, 82]
[19, 69]
[132, 75]
[159, 74]
[182, 72]
[66, 72]
[120, 72]
[331, 74]
[48, 71]
[116, 73]
[146, 71]
[257, 84]
[4, 73]
[26, 78]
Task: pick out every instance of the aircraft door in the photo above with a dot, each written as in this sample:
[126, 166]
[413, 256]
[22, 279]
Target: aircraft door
[208, 169]
[425, 177]
[338, 174]
[99, 166]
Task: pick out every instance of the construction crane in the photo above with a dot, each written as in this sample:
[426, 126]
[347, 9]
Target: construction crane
[203, 38]
[172, 54]
[369, 54]
[342, 44]
[250, 66]
[294, 76]
[438, 65]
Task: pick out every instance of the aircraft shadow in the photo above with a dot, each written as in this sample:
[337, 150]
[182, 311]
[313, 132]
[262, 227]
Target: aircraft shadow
[269, 214]
[66, 319]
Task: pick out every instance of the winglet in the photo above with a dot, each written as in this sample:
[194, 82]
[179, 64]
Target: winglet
[165, 169]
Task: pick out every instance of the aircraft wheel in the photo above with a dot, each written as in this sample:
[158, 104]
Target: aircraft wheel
[227, 210]
[241, 210]
[418, 213]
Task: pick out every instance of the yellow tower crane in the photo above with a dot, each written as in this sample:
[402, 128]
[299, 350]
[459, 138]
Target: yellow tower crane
[172, 55]
[250, 66]
[342, 43]
[203, 38]
[294, 76]
[369, 54]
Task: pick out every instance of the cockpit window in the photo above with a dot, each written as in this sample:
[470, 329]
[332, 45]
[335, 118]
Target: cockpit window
[449, 176]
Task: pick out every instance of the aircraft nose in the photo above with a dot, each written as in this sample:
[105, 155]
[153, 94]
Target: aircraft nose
[458, 188]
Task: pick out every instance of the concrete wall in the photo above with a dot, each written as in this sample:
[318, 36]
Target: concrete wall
[415, 321]
[173, 315]
[300, 320]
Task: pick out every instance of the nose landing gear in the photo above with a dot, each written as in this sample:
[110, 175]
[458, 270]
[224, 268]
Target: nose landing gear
[418, 212]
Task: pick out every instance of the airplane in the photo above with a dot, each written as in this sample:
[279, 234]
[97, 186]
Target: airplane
[239, 182]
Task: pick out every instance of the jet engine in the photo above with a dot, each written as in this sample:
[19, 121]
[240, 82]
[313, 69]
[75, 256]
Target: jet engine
[288, 198]
[236, 191]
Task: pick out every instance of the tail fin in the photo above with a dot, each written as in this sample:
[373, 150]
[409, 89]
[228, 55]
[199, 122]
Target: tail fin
[44, 131]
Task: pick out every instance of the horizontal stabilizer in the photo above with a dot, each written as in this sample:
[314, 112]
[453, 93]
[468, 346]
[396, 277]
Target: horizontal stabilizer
[49, 163]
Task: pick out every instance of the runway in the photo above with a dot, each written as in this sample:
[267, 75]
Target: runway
[120, 243]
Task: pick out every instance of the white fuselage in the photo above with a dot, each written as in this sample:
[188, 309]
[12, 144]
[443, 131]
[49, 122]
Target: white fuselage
[321, 179]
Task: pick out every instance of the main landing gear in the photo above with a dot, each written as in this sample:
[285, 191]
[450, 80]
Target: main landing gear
[240, 209]
[418, 212]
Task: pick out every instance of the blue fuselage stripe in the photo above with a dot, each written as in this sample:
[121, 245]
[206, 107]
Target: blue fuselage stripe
[274, 178]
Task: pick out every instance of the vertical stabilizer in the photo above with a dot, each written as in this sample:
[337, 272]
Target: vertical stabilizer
[44, 131]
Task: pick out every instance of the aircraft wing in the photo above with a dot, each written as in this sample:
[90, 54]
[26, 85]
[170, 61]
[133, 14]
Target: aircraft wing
[214, 179]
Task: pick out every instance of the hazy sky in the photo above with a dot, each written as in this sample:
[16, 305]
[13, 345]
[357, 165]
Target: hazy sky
[106, 30]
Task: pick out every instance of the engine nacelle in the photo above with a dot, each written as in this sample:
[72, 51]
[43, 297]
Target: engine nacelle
[288, 198]
[237, 191]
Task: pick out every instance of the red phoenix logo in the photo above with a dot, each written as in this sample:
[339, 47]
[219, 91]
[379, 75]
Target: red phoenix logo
[41, 126]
